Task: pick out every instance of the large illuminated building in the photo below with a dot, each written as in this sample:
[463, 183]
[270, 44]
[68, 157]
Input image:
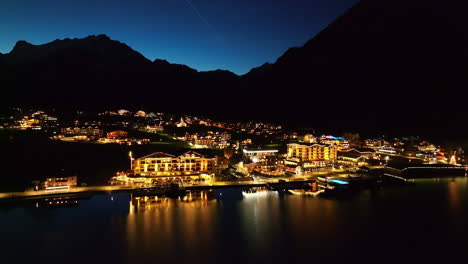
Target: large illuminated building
[310, 156]
[190, 165]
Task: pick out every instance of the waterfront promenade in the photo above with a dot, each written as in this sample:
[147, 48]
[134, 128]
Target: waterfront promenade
[124, 188]
[40, 193]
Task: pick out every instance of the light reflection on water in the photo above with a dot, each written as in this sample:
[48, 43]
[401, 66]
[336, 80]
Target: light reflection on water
[427, 216]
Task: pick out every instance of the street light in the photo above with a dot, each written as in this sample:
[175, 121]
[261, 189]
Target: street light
[130, 154]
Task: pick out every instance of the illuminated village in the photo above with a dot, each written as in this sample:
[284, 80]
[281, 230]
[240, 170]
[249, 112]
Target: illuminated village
[208, 152]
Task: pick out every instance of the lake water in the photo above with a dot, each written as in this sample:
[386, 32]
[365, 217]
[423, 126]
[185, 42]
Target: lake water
[415, 223]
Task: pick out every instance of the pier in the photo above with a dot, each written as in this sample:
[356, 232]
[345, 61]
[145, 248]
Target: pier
[395, 177]
[404, 172]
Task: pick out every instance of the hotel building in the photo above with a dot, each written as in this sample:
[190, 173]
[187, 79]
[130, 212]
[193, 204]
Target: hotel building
[163, 165]
[310, 156]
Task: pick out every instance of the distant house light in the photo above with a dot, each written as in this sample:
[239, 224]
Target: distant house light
[259, 151]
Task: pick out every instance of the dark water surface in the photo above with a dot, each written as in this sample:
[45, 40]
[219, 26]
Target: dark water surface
[422, 222]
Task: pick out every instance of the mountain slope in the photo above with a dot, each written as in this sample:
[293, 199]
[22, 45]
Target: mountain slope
[383, 64]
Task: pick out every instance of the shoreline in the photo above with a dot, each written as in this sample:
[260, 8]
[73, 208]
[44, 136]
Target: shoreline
[109, 189]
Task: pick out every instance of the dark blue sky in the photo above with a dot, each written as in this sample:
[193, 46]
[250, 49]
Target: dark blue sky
[235, 35]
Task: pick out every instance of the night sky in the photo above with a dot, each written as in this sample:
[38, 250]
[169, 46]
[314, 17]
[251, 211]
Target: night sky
[235, 35]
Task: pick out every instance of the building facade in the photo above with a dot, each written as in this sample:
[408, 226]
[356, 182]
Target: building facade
[159, 164]
[310, 156]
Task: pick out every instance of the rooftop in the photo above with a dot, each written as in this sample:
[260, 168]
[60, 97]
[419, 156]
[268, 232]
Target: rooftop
[158, 155]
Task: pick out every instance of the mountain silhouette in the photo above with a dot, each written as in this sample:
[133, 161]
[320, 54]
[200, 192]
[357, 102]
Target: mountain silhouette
[384, 65]
[98, 72]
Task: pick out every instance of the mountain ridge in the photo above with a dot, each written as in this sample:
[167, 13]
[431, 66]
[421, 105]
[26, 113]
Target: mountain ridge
[21, 46]
[383, 66]
[91, 71]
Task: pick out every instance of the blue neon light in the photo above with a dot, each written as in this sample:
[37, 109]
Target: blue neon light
[335, 138]
[339, 182]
